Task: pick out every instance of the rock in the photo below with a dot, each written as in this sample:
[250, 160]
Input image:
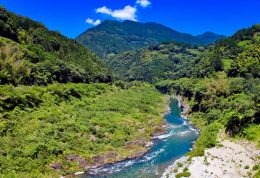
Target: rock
[72, 157]
[159, 131]
[98, 161]
[56, 166]
[83, 163]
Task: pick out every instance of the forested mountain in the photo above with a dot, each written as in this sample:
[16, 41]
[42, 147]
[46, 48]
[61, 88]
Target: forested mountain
[238, 55]
[113, 37]
[209, 37]
[224, 90]
[153, 64]
[31, 54]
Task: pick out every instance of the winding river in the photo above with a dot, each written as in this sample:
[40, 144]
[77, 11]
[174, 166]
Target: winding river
[165, 149]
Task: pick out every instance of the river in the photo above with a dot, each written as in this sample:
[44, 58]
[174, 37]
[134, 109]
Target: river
[165, 149]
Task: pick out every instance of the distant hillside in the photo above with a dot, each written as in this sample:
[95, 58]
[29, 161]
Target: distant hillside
[31, 54]
[209, 37]
[238, 55]
[115, 37]
[160, 62]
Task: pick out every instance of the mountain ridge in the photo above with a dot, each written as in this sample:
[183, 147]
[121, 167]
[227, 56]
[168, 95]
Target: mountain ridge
[130, 35]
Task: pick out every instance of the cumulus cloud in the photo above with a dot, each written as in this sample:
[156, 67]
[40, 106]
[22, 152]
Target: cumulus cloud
[127, 13]
[143, 3]
[92, 22]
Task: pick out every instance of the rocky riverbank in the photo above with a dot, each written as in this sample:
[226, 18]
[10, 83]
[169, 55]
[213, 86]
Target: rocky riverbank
[184, 107]
[231, 159]
[112, 157]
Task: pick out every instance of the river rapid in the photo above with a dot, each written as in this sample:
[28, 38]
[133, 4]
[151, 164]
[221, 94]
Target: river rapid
[165, 149]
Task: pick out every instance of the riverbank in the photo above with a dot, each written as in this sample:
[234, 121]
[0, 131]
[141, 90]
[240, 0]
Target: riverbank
[176, 142]
[136, 152]
[227, 160]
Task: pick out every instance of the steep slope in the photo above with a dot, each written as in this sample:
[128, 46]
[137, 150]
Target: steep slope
[164, 61]
[31, 54]
[224, 92]
[209, 37]
[238, 55]
[115, 37]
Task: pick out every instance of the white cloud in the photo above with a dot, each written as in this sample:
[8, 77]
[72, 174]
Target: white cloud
[127, 13]
[143, 3]
[92, 22]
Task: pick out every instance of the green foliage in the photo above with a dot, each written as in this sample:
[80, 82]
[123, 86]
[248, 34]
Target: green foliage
[64, 127]
[153, 64]
[252, 132]
[179, 164]
[183, 174]
[207, 139]
[237, 55]
[31, 54]
[231, 103]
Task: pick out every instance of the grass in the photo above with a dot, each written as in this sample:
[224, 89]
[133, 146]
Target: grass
[252, 133]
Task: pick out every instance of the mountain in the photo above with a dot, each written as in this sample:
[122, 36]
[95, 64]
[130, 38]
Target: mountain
[209, 37]
[113, 37]
[31, 54]
[156, 63]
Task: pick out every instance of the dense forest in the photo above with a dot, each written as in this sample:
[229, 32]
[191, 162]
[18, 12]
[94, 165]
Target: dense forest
[224, 92]
[30, 54]
[156, 63]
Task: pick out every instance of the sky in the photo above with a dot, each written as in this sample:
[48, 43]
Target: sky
[72, 17]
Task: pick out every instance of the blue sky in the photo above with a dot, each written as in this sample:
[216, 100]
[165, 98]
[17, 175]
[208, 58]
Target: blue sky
[72, 17]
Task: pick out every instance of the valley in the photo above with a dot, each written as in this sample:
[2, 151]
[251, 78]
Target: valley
[127, 99]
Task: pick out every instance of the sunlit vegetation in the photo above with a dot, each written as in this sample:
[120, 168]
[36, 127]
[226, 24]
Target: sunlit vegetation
[57, 118]
[224, 90]
[30, 54]
[51, 122]
[63, 128]
[153, 64]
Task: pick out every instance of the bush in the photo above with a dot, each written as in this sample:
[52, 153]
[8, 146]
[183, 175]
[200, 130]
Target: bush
[179, 164]
[183, 174]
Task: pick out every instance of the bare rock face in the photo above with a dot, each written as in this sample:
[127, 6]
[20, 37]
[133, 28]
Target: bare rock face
[98, 161]
[56, 166]
[140, 142]
[82, 162]
[72, 157]
[159, 131]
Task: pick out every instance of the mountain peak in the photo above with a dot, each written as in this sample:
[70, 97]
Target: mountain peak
[118, 36]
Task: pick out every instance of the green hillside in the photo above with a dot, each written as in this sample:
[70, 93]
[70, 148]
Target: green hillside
[113, 37]
[31, 54]
[224, 92]
[153, 64]
[52, 123]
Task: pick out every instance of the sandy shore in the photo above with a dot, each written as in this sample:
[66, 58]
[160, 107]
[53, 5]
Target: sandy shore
[229, 160]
